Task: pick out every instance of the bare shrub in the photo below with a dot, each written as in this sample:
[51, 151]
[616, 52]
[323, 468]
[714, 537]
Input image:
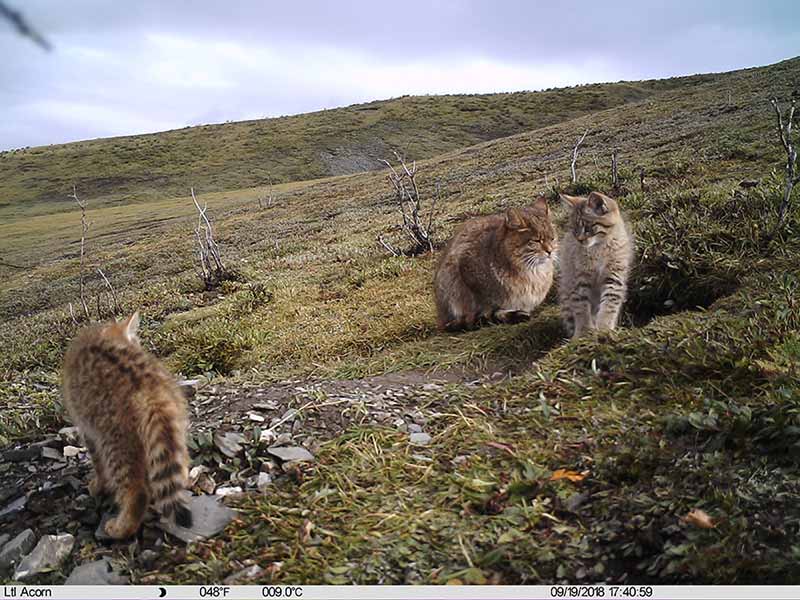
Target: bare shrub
[409, 203]
[268, 198]
[212, 270]
[574, 164]
[615, 169]
[107, 296]
[792, 178]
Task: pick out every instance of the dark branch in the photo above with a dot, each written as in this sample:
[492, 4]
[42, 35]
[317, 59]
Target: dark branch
[22, 26]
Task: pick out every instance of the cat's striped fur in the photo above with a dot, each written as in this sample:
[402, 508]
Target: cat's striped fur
[132, 416]
[496, 268]
[596, 256]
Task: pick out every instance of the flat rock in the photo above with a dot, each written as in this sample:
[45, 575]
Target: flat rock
[243, 575]
[264, 481]
[71, 451]
[22, 454]
[12, 508]
[254, 416]
[99, 572]
[12, 551]
[48, 554]
[228, 490]
[291, 453]
[230, 444]
[419, 439]
[209, 517]
[52, 454]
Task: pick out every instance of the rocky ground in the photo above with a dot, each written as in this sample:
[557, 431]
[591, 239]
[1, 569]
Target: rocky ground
[242, 439]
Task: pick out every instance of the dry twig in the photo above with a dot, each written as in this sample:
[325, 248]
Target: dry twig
[792, 178]
[410, 206]
[212, 270]
[575, 157]
[84, 229]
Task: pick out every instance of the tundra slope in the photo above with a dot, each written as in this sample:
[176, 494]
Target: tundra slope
[692, 403]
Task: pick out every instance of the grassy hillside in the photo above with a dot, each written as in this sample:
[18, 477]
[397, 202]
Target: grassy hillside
[693, 403]
[332, 142]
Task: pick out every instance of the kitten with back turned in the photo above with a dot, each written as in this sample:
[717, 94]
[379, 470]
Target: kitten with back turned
[497, 267]
[132, 416]
[596, 257]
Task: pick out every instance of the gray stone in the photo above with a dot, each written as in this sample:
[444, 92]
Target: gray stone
[228, 491]
[282, 439]
[12, 508]
[575, 501]
[243, 575]
[230, 444]
[209, 517]
[148, 558]
[71, 451]
[99, 572]
[49, 553]
[264, 481]
[291, 454]
[22, 454]
[414, 428]
[4, 537]
[52, 454]
[12, 551]
[419, 439]
[69, 434]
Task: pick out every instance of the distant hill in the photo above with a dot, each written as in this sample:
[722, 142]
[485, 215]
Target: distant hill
[307, 146]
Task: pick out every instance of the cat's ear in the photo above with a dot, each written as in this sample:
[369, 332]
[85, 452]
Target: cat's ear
[571, 201]
[541, 204]
[515, 219]
[130, 327]
[598, 202]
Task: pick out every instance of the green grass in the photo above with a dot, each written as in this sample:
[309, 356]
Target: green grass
[693, 403]
[222, 157]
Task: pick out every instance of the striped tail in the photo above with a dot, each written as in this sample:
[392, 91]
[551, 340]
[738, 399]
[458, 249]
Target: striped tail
[168, 462]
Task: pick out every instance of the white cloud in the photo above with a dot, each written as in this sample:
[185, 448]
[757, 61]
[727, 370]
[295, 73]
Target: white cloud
[122, 68]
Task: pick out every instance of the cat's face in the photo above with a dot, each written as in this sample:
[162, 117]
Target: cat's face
[591, 217]
[529, 235]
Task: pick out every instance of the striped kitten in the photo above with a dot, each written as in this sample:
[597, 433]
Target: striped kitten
[596, 256]
[132, 416]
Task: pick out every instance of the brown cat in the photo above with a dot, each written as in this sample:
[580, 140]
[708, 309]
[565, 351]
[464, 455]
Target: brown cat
[596, 256]
[133, 418]
[498, 267]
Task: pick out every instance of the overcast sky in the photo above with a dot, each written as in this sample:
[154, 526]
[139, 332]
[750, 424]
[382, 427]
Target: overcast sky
[133, 66]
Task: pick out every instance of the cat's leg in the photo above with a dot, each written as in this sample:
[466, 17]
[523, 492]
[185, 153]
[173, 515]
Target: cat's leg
[98, 486]
[612, 296]
[511, 316]
[580, 307]
[127, 459]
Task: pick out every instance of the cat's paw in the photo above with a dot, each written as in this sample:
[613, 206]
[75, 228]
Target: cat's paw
[119, 530]
[512, 317]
